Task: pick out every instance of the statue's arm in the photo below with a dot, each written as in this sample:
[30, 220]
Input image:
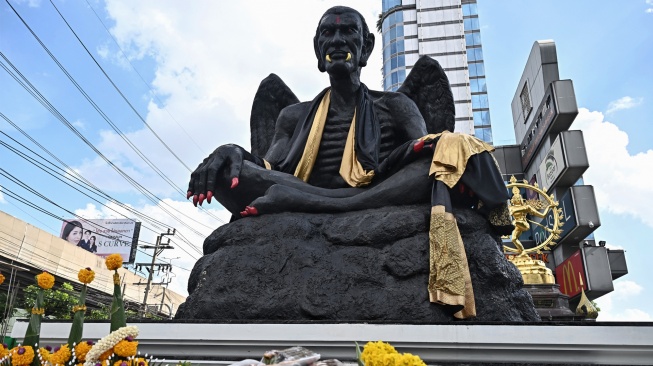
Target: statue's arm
[284, 129]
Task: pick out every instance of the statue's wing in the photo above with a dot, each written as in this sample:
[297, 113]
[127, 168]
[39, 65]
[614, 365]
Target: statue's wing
[428, 86]
[272, 96]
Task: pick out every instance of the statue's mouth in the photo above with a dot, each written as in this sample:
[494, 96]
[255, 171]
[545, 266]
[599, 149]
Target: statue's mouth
[338, 55]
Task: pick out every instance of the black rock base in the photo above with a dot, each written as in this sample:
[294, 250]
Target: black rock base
[353, 267]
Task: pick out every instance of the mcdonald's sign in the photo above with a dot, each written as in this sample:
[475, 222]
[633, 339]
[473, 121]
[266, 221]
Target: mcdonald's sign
[570, 275]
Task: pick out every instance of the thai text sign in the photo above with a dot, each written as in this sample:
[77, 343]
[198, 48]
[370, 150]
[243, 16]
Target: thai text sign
[103, 236]
[570, 275]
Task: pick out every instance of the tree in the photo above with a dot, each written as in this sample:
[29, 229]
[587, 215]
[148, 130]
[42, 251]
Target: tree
[58, 302]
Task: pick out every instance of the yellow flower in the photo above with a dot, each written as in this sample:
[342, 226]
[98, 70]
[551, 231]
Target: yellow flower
[45, 354]
[2, 278]
[86, 275]
[121, 363]
[4, 351]
[45, 280]
[114, 261]
[81, 350]
[60, 356]
[383, 354]
[103, 357]
[22, 356]
[125, 348]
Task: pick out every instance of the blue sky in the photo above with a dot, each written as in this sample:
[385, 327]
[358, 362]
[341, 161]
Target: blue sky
[190, 70]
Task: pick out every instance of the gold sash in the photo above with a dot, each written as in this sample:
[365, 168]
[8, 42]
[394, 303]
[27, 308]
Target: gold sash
[351, 169]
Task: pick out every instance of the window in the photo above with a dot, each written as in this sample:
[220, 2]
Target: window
[401, 75]
[395, 78]
[393, 63]
[478, 54]
[400, 31]
[471, 55]
[386, 67]
[481, 118]
[401, 61]
[393, 33]
[525, 99]
[393, 48]
[473, 39]
[479, 101]
[386, 53]
[469, 9]
[477, 85]
[400, 46]
[476, 69]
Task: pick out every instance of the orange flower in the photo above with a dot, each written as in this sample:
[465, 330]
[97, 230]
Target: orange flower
[125, 348]
[86, 275]
[82, 349]
[114, 261]
[22, 356]
[45, 280]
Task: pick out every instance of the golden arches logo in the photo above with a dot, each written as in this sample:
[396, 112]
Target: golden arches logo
[569, 279]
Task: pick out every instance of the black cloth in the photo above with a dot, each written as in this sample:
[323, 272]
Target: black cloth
[368, 133]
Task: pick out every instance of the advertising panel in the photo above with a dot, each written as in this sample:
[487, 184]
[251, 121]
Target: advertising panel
[553, 165]
[570, 275]
[103, 236]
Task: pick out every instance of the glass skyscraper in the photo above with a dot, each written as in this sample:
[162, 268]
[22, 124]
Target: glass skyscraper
[448, 31]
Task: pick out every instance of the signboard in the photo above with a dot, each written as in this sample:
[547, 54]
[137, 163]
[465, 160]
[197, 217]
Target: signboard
[570, 275]
[565, 162]
[103, 236]
[580, 215]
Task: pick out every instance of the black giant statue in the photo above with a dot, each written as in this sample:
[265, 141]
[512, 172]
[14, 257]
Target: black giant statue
[352, 149]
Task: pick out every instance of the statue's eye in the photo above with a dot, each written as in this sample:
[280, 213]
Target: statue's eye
[326, 32]
[351, 30]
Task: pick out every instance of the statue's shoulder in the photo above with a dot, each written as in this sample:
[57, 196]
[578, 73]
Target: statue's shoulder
[391, 101]
[296, 110]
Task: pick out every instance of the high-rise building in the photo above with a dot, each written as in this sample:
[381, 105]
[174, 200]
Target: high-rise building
[448, 31]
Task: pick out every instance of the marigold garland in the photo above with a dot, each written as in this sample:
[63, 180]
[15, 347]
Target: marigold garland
[86, 275]
[105, 345]
[82, 349]
[4, 351]
[114, 261]
[77, 308]
[61, 356]
[22, 355]
[38, 311]
[383, 354]
[139, 362]
[44, 353]
[125, 348]
[45, 280]
[2, 278]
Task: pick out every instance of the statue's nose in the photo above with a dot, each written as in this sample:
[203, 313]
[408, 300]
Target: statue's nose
[338, 39]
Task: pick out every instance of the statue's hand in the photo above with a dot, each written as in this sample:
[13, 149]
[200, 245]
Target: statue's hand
[225, 159]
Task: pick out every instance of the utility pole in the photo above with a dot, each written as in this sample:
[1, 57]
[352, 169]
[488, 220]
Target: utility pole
[158, 249]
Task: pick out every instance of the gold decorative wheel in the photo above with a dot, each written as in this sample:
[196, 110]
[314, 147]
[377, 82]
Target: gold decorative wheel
[521, 209]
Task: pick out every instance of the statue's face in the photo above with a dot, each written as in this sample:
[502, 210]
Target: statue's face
[340, 43]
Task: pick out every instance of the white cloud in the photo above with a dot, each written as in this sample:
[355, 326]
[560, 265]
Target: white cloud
[614, 172]
[623, 103]
[650, 3]
[30, 3]
[623, 293]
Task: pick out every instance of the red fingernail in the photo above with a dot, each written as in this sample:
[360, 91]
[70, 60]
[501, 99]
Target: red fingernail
[188, 194]
[195, 200]
[251, 210]
[209, 195]
[243, 213]
[234, 182]
[201, 198]
[418, 146]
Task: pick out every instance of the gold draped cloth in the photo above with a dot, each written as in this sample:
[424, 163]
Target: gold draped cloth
[449, 279]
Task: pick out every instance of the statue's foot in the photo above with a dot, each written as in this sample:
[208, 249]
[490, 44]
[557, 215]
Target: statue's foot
[249, 211]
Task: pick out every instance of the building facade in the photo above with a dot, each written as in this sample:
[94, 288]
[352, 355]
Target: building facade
[448, 31]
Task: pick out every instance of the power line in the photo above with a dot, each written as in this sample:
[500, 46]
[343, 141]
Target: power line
[154, 94]
[119, 91]
[152, 197]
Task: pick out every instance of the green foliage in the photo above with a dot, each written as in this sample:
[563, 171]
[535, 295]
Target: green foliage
[58, 302]
[596, 306]
[103, 314]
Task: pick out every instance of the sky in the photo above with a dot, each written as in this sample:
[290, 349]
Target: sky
[189, 72]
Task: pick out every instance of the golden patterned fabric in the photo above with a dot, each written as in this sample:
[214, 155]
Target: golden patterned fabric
[449, 280]
[500, 216]
[351, 169]
[451, 155]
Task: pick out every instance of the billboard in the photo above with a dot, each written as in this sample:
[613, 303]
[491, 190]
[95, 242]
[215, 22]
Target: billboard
[103, 236]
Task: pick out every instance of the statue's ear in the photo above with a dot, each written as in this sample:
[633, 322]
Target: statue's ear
[320, 59]
[368, 46]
